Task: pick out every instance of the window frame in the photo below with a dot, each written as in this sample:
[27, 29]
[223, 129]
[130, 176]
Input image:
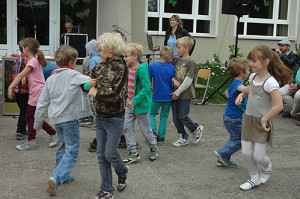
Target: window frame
[292, 13]
[213, 17]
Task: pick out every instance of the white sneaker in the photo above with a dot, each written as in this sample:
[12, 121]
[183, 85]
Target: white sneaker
[265, 175]
[180, 142]
[249, 185]
[197, 134]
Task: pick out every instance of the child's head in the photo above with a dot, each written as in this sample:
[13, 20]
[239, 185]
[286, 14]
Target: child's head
[166, 54]
[184, 44]
[91, 46]
[110, 45]
[238, 66]
[66, 56]
[32, 46]
[134, 51]
[266, 58]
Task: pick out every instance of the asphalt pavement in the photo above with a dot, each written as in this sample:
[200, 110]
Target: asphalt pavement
[180, 172]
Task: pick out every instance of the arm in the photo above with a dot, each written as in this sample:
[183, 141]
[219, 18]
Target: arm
[92, 83]
[23, 74]
[243, 89]
[185, 84]
[144, 83]
[43, 104]
[239, 99]
[289, 62]
[277, 107]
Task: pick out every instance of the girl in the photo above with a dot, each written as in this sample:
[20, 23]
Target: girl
[36, 81]
[264, 103]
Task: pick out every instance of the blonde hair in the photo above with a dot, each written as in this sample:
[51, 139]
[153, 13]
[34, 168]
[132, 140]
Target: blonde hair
[135, 49]
[185, 42]
[166, 51]
[65, 54]
[111, 41]
[33, 46]
[238, 65]
[275, 67]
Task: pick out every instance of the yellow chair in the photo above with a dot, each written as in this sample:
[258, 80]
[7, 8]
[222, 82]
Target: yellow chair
[204, 74]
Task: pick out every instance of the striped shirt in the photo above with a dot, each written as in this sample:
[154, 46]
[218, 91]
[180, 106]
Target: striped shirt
[131, 75]
[17, 68]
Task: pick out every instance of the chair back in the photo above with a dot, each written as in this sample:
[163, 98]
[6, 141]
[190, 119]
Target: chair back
[204, 73]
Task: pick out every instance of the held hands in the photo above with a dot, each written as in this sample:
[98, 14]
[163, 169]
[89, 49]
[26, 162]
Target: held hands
[293, 88]
[265, 125]
[93, 92]
[130, 105]
[176, 83]
[239, 99]
[174, 97]
[93, 82]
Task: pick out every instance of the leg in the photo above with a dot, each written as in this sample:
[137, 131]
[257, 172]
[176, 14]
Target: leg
[164, 114]
[286, 95]
[296, 105]
[129, 129]
[178, 124]
[30, 122]
[61, 149]
[69, 152]
[153, 111]
[144, 124]
[48, 128]
[22, 101]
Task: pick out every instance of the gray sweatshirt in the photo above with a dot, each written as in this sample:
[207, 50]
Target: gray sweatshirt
[64, 96]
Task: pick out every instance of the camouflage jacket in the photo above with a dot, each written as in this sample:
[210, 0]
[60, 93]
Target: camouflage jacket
[112, 81]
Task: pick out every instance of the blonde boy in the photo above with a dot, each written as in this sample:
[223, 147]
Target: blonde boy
[186, 73]
[161, 74]
[138, 103]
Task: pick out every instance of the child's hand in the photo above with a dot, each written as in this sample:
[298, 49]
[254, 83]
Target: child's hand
[174, 97]
[265, 125]
[93, 82]
[239, 99]
[10, 94]
[176, 83]
[130, 105]
[93, 92]
[37, 130]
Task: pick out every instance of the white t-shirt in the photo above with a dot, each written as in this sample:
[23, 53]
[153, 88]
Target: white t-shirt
[270, 85]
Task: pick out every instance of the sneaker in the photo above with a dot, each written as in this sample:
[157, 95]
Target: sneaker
[133, 157]
[69, 179]
[27, 146]
[249, 185]
[225, 161]
[220, 164]
[265, 174]
[154, 154]
[197, 134]
[53, 140]
[122, 181]
[155, 135]
[180, 142]
[21, 136]
[104, 195]
[93, 145]
[287, 115]
[160, 140]
[53, 184]
[86, 120]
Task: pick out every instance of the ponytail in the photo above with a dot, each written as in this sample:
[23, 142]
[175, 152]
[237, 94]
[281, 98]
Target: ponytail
[41, 58]
[34, 45]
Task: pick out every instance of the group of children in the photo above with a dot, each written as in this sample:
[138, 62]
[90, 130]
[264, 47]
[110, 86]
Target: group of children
[122, 94]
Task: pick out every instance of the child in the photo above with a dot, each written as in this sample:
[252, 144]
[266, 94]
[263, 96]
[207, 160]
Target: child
[186, 74]
[110, 95]
[64, 96]
[21, 92]
[232, 118]
[162, 74]
[36, 82]
[138, 103]
[264, 103]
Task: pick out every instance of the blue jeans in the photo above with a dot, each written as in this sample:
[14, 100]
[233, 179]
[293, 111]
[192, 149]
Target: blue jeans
[67, 153]
[181, 110]
[108, 133]
[164, 114]
[234, 128]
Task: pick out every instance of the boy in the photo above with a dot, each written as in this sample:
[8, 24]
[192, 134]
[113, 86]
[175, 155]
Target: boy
[138, 103]
[239, 70]
[186, 74]
[110, 95]
[162, 74]
[64, 96]
[21, 93]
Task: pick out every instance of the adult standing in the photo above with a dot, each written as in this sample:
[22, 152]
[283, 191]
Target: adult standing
[174, 32]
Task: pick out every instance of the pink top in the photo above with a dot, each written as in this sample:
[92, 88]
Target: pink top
[36, 81]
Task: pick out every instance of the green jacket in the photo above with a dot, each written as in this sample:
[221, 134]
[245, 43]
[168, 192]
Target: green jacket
[142, 90]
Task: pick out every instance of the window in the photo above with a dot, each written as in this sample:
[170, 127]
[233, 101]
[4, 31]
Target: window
[3, 25]
[269, 19]
[198, 16]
